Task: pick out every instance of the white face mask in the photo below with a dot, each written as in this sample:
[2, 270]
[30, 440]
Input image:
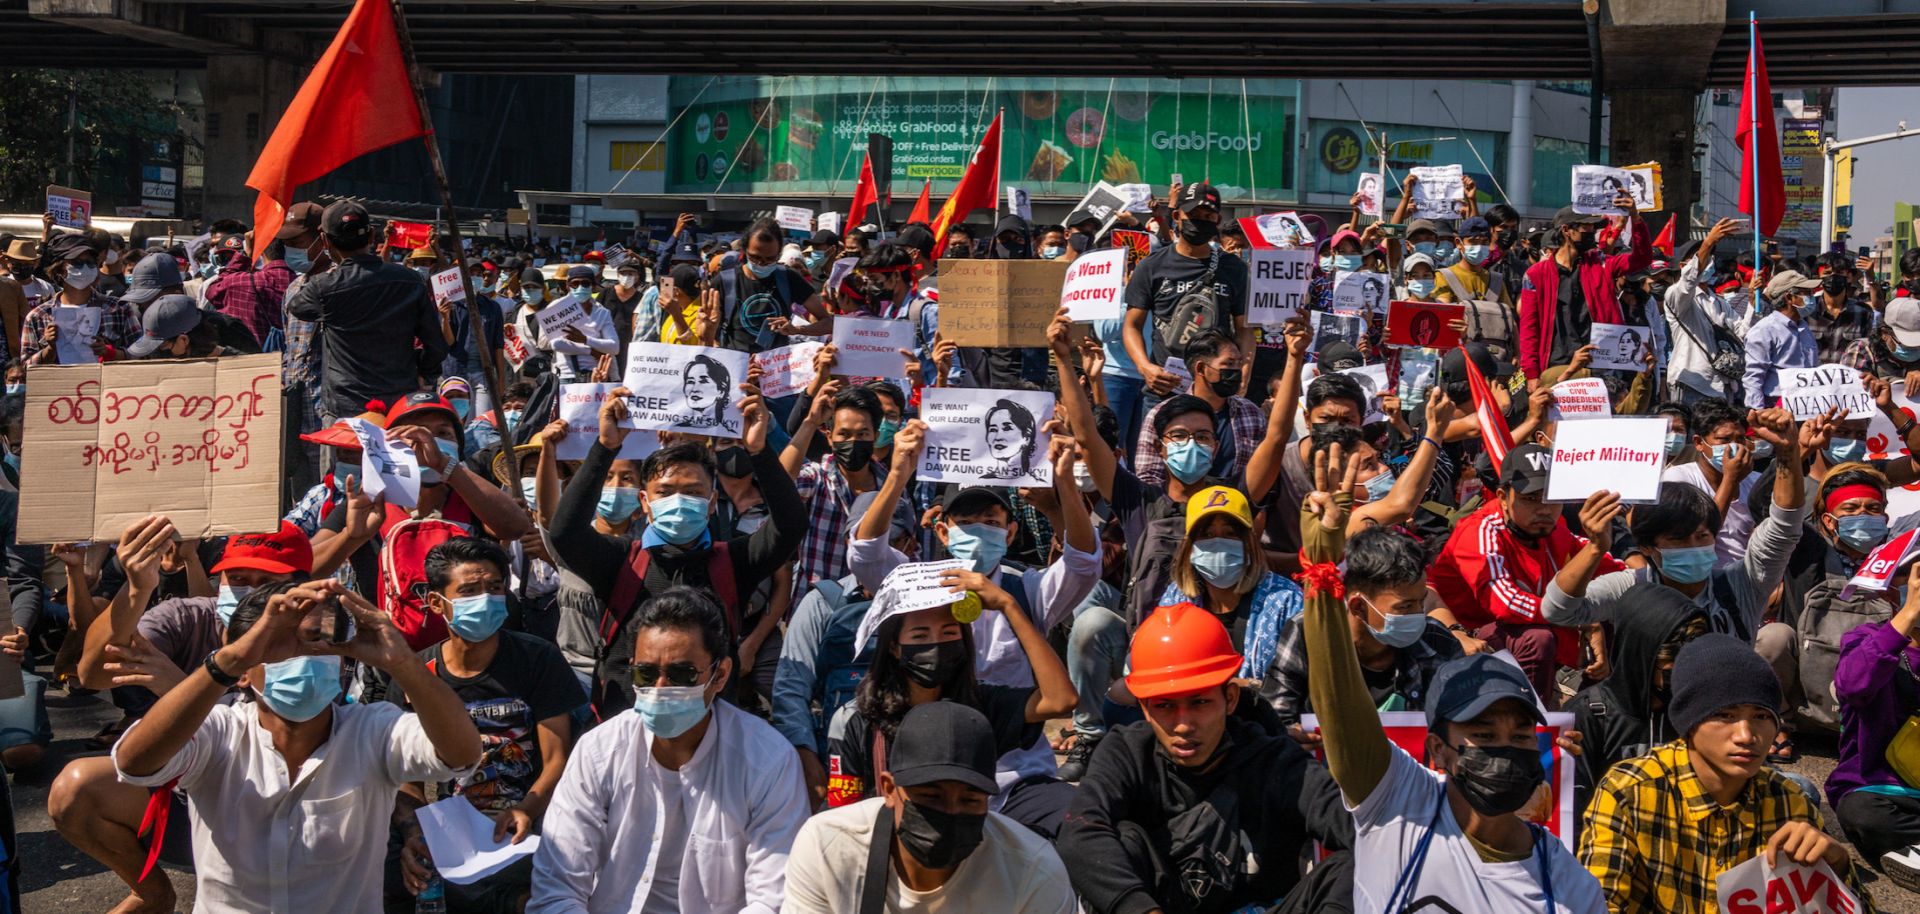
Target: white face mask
[80, 277]
[629, 281]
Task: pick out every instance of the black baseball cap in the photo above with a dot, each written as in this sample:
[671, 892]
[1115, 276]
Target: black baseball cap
[943, 741]
[824, 238]
[1465, 686]
[1194, 196]
[169, 316]
[301, 218]
[346, 219]
[1454, 363]
[1525, 470]
[974, 498]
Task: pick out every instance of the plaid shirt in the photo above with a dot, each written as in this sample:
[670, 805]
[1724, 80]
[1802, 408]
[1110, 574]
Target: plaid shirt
[253, 297]
[823, 552]
[119, 326]
[1247, 422]
[1658, 842]
[1284, 683]
[1834, 334]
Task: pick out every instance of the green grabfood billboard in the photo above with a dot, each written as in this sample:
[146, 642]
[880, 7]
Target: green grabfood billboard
[807, 134]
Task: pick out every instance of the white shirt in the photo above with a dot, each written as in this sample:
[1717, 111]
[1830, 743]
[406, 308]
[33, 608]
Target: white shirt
[1692, 310]
[601, 840]
[312, 841]
[1389, 824]
[1730, 544]
[1013, 871]
[599, 333]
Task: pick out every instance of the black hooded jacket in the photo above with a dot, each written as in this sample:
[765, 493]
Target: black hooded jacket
[1615, 716]
[1021, 250]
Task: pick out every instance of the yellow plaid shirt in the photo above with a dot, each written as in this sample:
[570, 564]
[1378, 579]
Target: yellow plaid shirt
[1658, 843]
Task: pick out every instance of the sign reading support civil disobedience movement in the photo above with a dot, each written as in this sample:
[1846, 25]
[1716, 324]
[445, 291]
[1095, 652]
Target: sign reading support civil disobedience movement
[984, 436]
[999, 302]
[106, 444]
[685, 388]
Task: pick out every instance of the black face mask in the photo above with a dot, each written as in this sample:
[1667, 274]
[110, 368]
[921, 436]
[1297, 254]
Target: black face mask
[853, 455]
[1834, 285]
[933, 665]
[1585, 243]
[1198, 231]
[1499, 780]
[1229, 383]
[735, 462]
[938, 840]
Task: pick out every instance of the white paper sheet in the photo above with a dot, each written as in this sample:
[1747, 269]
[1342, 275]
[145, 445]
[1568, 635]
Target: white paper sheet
[461, 840]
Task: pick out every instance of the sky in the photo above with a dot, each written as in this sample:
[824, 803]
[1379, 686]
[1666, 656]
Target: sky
[1884, 172]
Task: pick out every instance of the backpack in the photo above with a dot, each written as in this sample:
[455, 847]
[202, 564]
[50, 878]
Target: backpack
[837, 673]
[729, 277]
[1825, 617]
[613, 686]
[1150, 567]
[1196, 313]
[1488, 320]
[403, 577]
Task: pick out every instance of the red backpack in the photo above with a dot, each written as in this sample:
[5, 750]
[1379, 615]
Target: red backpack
[403, 577]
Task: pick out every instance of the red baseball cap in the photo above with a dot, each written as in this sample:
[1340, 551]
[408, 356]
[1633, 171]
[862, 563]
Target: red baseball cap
[340, 435]
[284, 551]
[419, 401]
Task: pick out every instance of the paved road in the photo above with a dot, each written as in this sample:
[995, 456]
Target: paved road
[58, 879]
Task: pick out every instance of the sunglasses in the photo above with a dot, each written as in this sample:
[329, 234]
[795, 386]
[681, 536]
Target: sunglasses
[681, 673]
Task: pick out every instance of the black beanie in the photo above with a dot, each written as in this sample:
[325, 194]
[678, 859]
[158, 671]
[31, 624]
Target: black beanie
[1719, 671]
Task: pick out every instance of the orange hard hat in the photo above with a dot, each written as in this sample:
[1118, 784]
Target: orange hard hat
[1178, 650]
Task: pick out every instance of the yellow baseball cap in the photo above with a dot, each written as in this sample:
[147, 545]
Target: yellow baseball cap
[1218, 500]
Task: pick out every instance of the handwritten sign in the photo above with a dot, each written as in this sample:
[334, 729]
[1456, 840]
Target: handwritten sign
[1360, 292]
[870, 347]
[580, 410]
[1439, 187]
[1426, 324]
[991, 437]
[1595, 186]
[70, 208]
[557, 316]
[1810, 392]
[448, 287]
[828, 222]
[685, 388]
[1645, 186]
[79, 327]
[1754, 887]
[396, 468]
[1278, 282]
[1581, 398]
[795, 218]
[1617, 455]
[106, 444]
[909, 587]
[787, 370]
[999, 302]
[1094, 285]
[1276, 230]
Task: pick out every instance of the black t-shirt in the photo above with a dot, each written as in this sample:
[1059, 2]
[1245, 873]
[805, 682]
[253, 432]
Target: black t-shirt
[1160, 280]
[758, 301]
[1572, 322]
[850, 746]
[527, 682]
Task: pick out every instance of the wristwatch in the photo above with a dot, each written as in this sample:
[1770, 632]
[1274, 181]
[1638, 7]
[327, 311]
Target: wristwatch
[220, 677]
[1455, 627]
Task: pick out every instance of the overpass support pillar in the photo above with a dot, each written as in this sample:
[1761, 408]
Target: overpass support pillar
[1656, 125]
[246, 94]
[1654, 57]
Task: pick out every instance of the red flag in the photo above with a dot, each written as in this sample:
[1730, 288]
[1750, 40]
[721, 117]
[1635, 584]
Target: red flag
[1663, 242]
[923, 206]
[1759, 145]
[358, 98]
[979, 187]
[1494, 434]
[864, 195]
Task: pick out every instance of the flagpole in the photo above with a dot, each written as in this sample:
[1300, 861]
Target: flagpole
[1753, 125]
[492, 383]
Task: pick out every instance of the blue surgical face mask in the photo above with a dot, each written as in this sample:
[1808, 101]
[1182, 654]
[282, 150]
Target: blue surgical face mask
[512, 417]
[679, 519]
[448, 449]
[1419, 288]
[1903, 353]
[1052, 252]
[884, 437]
[1688, 564]
[300, 688]
[1426, 247]
[1399, 631]
[298, 260]
[17, 389]
[425, 272]
[1446, 254]
[1845, 450]
[1476, 254]
[476, 618]
[1220, 560]
[617, 503]
[580, 294]
[981, 546]
[669, 711]
[1707, 274]
[762, 270]
[1717, 455]
[530, 487]
[1676, 443]
[461, 407]
[1861, 531]
[1808, 305]
[230, 598]
[815, 259]
[342, 470]
[531, 295]
[1326, 263]
[1380, 486]
[1189, 460]
[1347, 263]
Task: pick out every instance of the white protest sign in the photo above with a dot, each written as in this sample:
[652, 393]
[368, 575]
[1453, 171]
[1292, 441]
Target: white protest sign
[461, 839]
[869, 347]
[580, 410]
[1277, 284]
[1810, 392]
[841, 269]
[1329, 328]
[793, 217]
[685, 388]
[1371, 378]
[909, 587]
[1280, 230]
[70, 208]
[1094, 285]
[1177, 367]
[1877, 573]
[1595, 186]
[557, 316]
[1439, 187]
[1645, 186]
[787, 370]
[79, 327]
[1103, 201]
[1581, 398]
[827, 222]
[1368, 188]
[1754, 887]
[1617, 455]
[395, 471]
[616, 255]
[1621, 346]
[1019, 203]
[986, 436]
[1139, 197]
[448, 287]
[1361, 292]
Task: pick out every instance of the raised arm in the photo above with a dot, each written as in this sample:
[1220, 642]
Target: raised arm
[1101, 460]
[1411, 486]
[1356, 747]
[1053, 694]
[1596, 520]
[1263, 467]
[142, 546]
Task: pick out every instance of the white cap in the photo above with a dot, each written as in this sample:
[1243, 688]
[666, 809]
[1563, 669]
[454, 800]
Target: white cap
[1903, 318]
[1412, 260]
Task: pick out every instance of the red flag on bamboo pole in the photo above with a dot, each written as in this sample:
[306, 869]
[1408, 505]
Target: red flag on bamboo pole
[1759, 145]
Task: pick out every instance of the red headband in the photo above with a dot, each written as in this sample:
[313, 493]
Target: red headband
[1843, 494]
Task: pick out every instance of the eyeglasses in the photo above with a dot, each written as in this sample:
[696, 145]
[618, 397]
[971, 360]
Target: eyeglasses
[681, 673]
[1182, 436]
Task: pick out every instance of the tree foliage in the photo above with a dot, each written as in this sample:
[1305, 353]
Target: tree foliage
[115, 116]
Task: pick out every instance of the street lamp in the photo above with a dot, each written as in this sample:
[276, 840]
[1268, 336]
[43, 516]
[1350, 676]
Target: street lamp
[1832, 149]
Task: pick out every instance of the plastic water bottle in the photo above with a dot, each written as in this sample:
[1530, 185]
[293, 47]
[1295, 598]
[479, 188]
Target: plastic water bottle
[432, 899]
